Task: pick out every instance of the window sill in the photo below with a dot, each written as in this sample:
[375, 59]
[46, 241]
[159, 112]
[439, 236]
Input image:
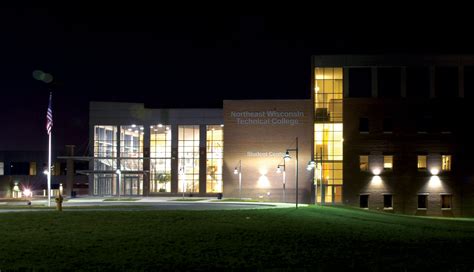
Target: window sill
[421, 209]
[387, 132]
[363, 132]
[388, 209]
[365, 208]
[445, 209]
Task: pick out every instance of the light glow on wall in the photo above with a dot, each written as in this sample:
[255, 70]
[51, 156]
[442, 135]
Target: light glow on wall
[376, 171]
[376, 180]
[434, 181]
[263, 181]
[434, 171]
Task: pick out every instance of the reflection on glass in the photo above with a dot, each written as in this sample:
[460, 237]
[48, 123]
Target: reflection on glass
[188, 158]
[105, 153]
[131, 159]
[160, 159]
[215, 155]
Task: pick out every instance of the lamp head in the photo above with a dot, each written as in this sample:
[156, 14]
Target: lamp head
[287, 156]
[278, 169]
[236, 171]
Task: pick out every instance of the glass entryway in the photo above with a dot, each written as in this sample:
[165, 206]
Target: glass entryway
[103, 185]
[330, 194]
[132, 186]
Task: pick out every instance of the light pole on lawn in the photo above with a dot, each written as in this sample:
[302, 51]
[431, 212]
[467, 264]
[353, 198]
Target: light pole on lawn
[119, 175]
[238, 171]
[288, 157]
[281, 168]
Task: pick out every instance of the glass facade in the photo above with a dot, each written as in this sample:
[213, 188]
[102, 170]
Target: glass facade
[105, 153]
[160, 159]
[214, 159]
[131, 159]
[446, 162]
[328, 137]
[188, 159]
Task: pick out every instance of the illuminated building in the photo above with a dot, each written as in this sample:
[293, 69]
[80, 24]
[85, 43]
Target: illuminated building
[384, 133]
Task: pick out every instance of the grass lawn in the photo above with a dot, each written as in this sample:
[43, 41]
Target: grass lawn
[236, 200]
[188, 199]
[121, 199]
[310, 238]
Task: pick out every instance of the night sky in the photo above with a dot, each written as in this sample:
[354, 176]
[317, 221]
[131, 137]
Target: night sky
[175, 61]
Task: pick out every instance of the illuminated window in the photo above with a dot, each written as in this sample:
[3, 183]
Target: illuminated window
[2, 168]
[364, 162]
[32, 168]
[387, 161]
[364, 201]
[131, 159]
[422, 162]
[214, 158]
[328, 140]
[422, 201]
[188, 158]
[388, 201]
[446, 202]
[105, 153]
[446, 162]
[160, 159]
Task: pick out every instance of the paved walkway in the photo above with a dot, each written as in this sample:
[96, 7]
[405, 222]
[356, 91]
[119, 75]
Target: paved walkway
[144, 203]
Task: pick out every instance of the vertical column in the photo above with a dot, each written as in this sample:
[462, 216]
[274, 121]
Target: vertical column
[202, 159]
[403, 83]
[91, 162]
[375, 88]
[119, 144]
[432, 82]
[174, 159]
[461, 81]
[146, 160]
[70, 170]
[345, 80]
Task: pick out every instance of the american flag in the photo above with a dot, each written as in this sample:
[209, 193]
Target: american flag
[49, 115]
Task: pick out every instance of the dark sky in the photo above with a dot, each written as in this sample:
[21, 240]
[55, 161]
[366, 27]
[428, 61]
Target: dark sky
[174, 61]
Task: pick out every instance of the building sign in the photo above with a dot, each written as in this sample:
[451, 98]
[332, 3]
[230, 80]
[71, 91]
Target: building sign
[269, 117]
[265, 154]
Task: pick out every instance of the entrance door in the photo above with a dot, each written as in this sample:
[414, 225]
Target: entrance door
[331, 194]
[104, 186]
[131, 186]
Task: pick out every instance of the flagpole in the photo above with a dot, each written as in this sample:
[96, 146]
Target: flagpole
[49, 170]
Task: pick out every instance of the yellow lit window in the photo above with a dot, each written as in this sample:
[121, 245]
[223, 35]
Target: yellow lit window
[364, 163]
[446, 162]
[422, 162]
[388, 162]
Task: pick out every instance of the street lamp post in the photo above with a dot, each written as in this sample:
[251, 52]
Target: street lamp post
[119, 175]
[238, 171]
[279, 167]
[288, 157]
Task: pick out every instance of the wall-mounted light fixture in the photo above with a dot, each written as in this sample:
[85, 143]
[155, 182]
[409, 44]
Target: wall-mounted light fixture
[376, 171]
[434, 171]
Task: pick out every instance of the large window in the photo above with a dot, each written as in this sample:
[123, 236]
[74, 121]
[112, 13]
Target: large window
[364, 163]
[418, 82]
[446, 162]
[364, 125]
[188, 158]
[160, 159]
[360, 82]
[447, 84]
[215, 155]
[446, 202]
[105, 153]
[389, 82]
[422, 201]
[388, 162]
[32, 168]
[131, 159]
[328, 141]
[422, 162]
[388, 201]
[364, 201]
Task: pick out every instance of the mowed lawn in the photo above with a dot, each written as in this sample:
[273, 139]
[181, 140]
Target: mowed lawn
[311, 238]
